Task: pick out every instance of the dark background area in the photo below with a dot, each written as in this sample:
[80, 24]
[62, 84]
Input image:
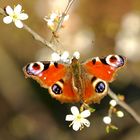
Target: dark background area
[95, 28]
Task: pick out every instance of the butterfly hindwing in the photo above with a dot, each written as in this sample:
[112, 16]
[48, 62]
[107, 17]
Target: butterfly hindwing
[95, 90]
[67, 94]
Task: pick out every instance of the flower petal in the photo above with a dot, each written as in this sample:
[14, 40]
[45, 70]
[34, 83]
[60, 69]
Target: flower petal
[76, 54]
[65, 56]
[76, 125]
[120, 114]
[69, 118]
[18, 24]
[74, 110]
[50, 22]
[66, 17]
[86, 122]
[23, 16]
[107, 119]
[9, 10]
[7, 19]
[53, 16]
[85, 113]
[17, 9]
[55, 56]
[113, 103]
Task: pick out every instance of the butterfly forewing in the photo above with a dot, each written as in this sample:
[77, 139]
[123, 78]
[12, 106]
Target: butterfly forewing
[105, 68]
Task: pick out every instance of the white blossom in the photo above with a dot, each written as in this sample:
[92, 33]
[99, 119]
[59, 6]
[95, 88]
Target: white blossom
[55, 57]
[76, 54]
[113, 103]
[78, 118]
[50, 20]
[15, 15]
[54, 18]
[120, 114]
[66, 17]
[107, 119]
[65, 57]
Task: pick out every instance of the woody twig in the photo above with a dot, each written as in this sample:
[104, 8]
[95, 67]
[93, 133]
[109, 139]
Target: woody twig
[70, 2]
[34, 34]
[124, 105]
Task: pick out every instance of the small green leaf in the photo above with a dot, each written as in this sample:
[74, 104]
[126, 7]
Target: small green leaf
[86, 106]
[107, 129]
[114, 127]
[91, 109]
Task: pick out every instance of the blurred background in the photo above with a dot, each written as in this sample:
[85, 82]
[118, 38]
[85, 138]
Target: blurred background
[95, 28]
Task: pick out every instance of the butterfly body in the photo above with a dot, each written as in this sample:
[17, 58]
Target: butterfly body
[78, 82]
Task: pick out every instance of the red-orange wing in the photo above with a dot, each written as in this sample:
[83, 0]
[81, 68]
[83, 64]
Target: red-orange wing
[95, 90]
[98, 72]
[54, 76]
[104, 68]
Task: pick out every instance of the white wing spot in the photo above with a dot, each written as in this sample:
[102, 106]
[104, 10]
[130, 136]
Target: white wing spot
[40, 75]
[109, 72]
[97, 59]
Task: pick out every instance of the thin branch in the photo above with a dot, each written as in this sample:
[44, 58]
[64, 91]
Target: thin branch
[125, 106]
[64, 14]
[39, 38]
[2, 12]
[62, 18]
[35, 35]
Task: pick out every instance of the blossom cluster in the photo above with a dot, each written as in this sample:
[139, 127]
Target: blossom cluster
[64, 57]
[54, 18]
[108, 119]
[16, 15]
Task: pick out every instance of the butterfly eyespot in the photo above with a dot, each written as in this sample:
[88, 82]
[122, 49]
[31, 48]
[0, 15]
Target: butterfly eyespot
[56, 88]
[100, 87]
[35, 68]
[115, 60]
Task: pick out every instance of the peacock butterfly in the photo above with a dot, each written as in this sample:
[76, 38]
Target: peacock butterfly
[76, 82]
